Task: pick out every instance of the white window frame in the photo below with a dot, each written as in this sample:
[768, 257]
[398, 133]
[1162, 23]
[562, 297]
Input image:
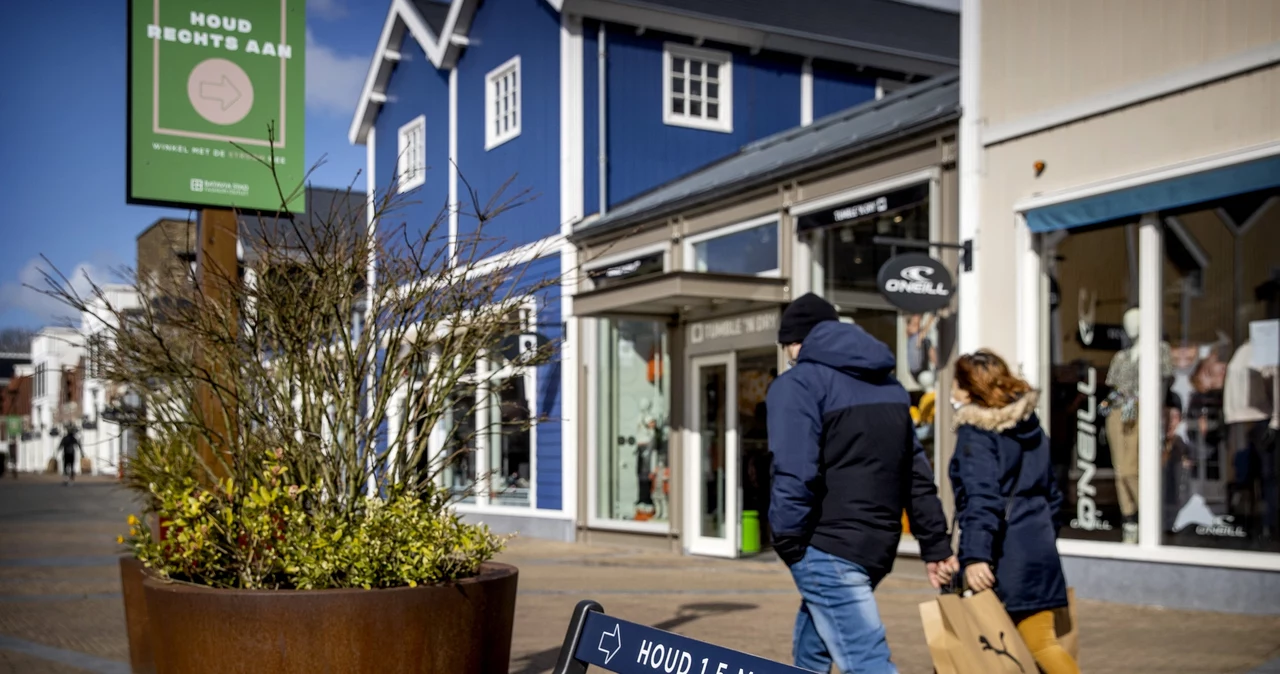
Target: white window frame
[591, 366]
[724, 60]
[484, 375]
[411, 163]
[492, 138]
[691, 242]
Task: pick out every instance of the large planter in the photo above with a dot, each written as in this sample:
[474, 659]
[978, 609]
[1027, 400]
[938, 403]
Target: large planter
[132, 573]
[461, 628]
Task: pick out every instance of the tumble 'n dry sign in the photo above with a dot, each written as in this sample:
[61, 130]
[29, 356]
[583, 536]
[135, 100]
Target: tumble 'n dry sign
[733, 333]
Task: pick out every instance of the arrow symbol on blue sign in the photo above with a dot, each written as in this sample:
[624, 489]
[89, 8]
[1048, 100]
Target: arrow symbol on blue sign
[224, 92]
[617, 643]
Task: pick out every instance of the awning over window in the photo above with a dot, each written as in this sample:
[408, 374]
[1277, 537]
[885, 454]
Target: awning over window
[666, 295]
[1164, 195]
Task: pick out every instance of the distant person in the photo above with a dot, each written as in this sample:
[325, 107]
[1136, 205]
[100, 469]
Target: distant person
[13, 456]
[1002, 469]
[69, 444]
[846, 464]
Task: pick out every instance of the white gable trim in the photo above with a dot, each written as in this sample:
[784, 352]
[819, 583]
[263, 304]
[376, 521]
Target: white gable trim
[441, 50]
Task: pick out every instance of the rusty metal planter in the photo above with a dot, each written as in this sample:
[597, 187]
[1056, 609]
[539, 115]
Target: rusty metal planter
[461, 628]
[132, 574]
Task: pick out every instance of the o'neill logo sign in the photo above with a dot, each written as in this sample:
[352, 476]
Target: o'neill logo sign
[915, 283]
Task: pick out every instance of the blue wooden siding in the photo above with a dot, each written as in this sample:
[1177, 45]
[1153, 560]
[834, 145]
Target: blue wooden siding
[550, 449]
[643, 151]
[416, 88]
[500, 30]
[591, 116]
[835, 88]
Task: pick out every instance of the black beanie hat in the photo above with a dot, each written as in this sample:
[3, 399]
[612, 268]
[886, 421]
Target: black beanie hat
[802, 315]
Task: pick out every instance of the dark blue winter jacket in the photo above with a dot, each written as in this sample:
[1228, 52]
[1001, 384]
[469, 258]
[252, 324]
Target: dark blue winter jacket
[846, 462]
[991, 444]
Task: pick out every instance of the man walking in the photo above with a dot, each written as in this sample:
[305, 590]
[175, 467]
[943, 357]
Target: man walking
[846, 464]
[70, 443]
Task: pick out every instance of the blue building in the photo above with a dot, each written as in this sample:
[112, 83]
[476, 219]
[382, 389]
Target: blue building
[624, 97]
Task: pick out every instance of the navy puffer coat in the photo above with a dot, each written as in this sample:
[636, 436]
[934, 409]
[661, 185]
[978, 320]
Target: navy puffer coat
[991, 443]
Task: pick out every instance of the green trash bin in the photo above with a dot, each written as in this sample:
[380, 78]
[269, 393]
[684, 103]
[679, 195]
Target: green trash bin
[750, 532]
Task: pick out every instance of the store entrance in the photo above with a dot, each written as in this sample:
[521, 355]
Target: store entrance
[728, 458]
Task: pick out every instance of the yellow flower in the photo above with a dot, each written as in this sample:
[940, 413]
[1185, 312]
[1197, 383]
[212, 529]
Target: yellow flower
[120, 539]
[133, 521]
[133, 532]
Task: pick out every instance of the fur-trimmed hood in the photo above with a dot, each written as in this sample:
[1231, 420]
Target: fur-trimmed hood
[998, 419]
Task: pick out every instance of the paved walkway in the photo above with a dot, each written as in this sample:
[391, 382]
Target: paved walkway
[60, 605]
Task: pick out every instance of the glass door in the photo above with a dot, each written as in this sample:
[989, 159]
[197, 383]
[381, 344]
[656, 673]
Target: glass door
[711, 464]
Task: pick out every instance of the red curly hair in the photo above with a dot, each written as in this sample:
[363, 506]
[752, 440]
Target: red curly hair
[989, 380]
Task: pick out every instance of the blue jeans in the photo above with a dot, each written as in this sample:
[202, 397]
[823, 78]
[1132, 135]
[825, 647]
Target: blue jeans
[838, 618]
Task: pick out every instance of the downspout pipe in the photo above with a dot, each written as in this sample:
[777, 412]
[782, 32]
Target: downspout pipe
[970, 165]
[603, 125]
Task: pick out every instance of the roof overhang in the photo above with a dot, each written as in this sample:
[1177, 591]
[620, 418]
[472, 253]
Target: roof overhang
[758, 36]
[681, 293]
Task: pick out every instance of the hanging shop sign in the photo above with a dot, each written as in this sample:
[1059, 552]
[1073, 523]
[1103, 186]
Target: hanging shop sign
[915, 283]
[206, 83]
[851, 212]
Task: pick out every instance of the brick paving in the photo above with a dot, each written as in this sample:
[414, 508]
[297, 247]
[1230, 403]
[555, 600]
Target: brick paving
[60, 607]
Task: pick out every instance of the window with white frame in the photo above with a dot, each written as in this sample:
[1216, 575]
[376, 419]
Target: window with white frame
[749, 248]
[411, 167]
[502, 103]
[697, 87]
[484, 443]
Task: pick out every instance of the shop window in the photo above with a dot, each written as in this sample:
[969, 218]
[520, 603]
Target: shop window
[1219, 455]
[632, 402]
[1094, 431]
[750, 248]
[846, 262]
[483, 445]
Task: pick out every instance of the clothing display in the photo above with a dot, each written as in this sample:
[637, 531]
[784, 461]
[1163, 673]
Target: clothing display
[1122, 436]
[1247, 396]
[1123, 377]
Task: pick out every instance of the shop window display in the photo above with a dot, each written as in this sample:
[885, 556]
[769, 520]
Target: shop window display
[1094, 334]
[632, 403]
[1221, 272]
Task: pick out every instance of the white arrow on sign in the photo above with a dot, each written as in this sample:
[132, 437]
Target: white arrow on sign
[224, 92]
[617, 643]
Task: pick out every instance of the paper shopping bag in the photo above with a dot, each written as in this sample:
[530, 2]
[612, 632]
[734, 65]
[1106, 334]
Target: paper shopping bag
[1066, 627]
[944, 645]
[86, 465]
[987, 634]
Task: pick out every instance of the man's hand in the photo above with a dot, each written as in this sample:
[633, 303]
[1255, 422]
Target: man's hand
[978, 576]
[940, 573]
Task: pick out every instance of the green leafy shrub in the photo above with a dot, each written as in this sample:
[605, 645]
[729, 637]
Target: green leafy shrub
[277, 534]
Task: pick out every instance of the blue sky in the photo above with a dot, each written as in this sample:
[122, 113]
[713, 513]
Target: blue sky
[63, 135]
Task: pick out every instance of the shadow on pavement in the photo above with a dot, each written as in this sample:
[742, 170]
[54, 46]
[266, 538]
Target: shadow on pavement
[543, 661]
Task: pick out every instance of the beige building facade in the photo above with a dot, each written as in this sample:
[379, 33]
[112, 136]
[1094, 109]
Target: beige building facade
[1120, 177]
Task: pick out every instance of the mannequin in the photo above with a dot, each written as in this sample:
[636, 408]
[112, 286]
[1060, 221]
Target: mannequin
[1122, 419]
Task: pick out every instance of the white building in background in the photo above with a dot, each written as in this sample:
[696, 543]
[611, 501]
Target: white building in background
[104, 441]
[54, 353]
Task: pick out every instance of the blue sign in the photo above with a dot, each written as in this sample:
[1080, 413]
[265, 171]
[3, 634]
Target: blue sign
[628, 648]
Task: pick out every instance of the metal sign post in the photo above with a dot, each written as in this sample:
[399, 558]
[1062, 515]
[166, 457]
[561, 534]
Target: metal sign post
[616, 645]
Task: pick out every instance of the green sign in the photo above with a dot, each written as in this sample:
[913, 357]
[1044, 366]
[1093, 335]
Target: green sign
[210, 82]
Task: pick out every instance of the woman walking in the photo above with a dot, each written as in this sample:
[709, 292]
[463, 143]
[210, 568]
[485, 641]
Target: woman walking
[1002, 468]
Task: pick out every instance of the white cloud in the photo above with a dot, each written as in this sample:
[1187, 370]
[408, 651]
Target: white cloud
[331, 10]
[19, 295]
[334, 80]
